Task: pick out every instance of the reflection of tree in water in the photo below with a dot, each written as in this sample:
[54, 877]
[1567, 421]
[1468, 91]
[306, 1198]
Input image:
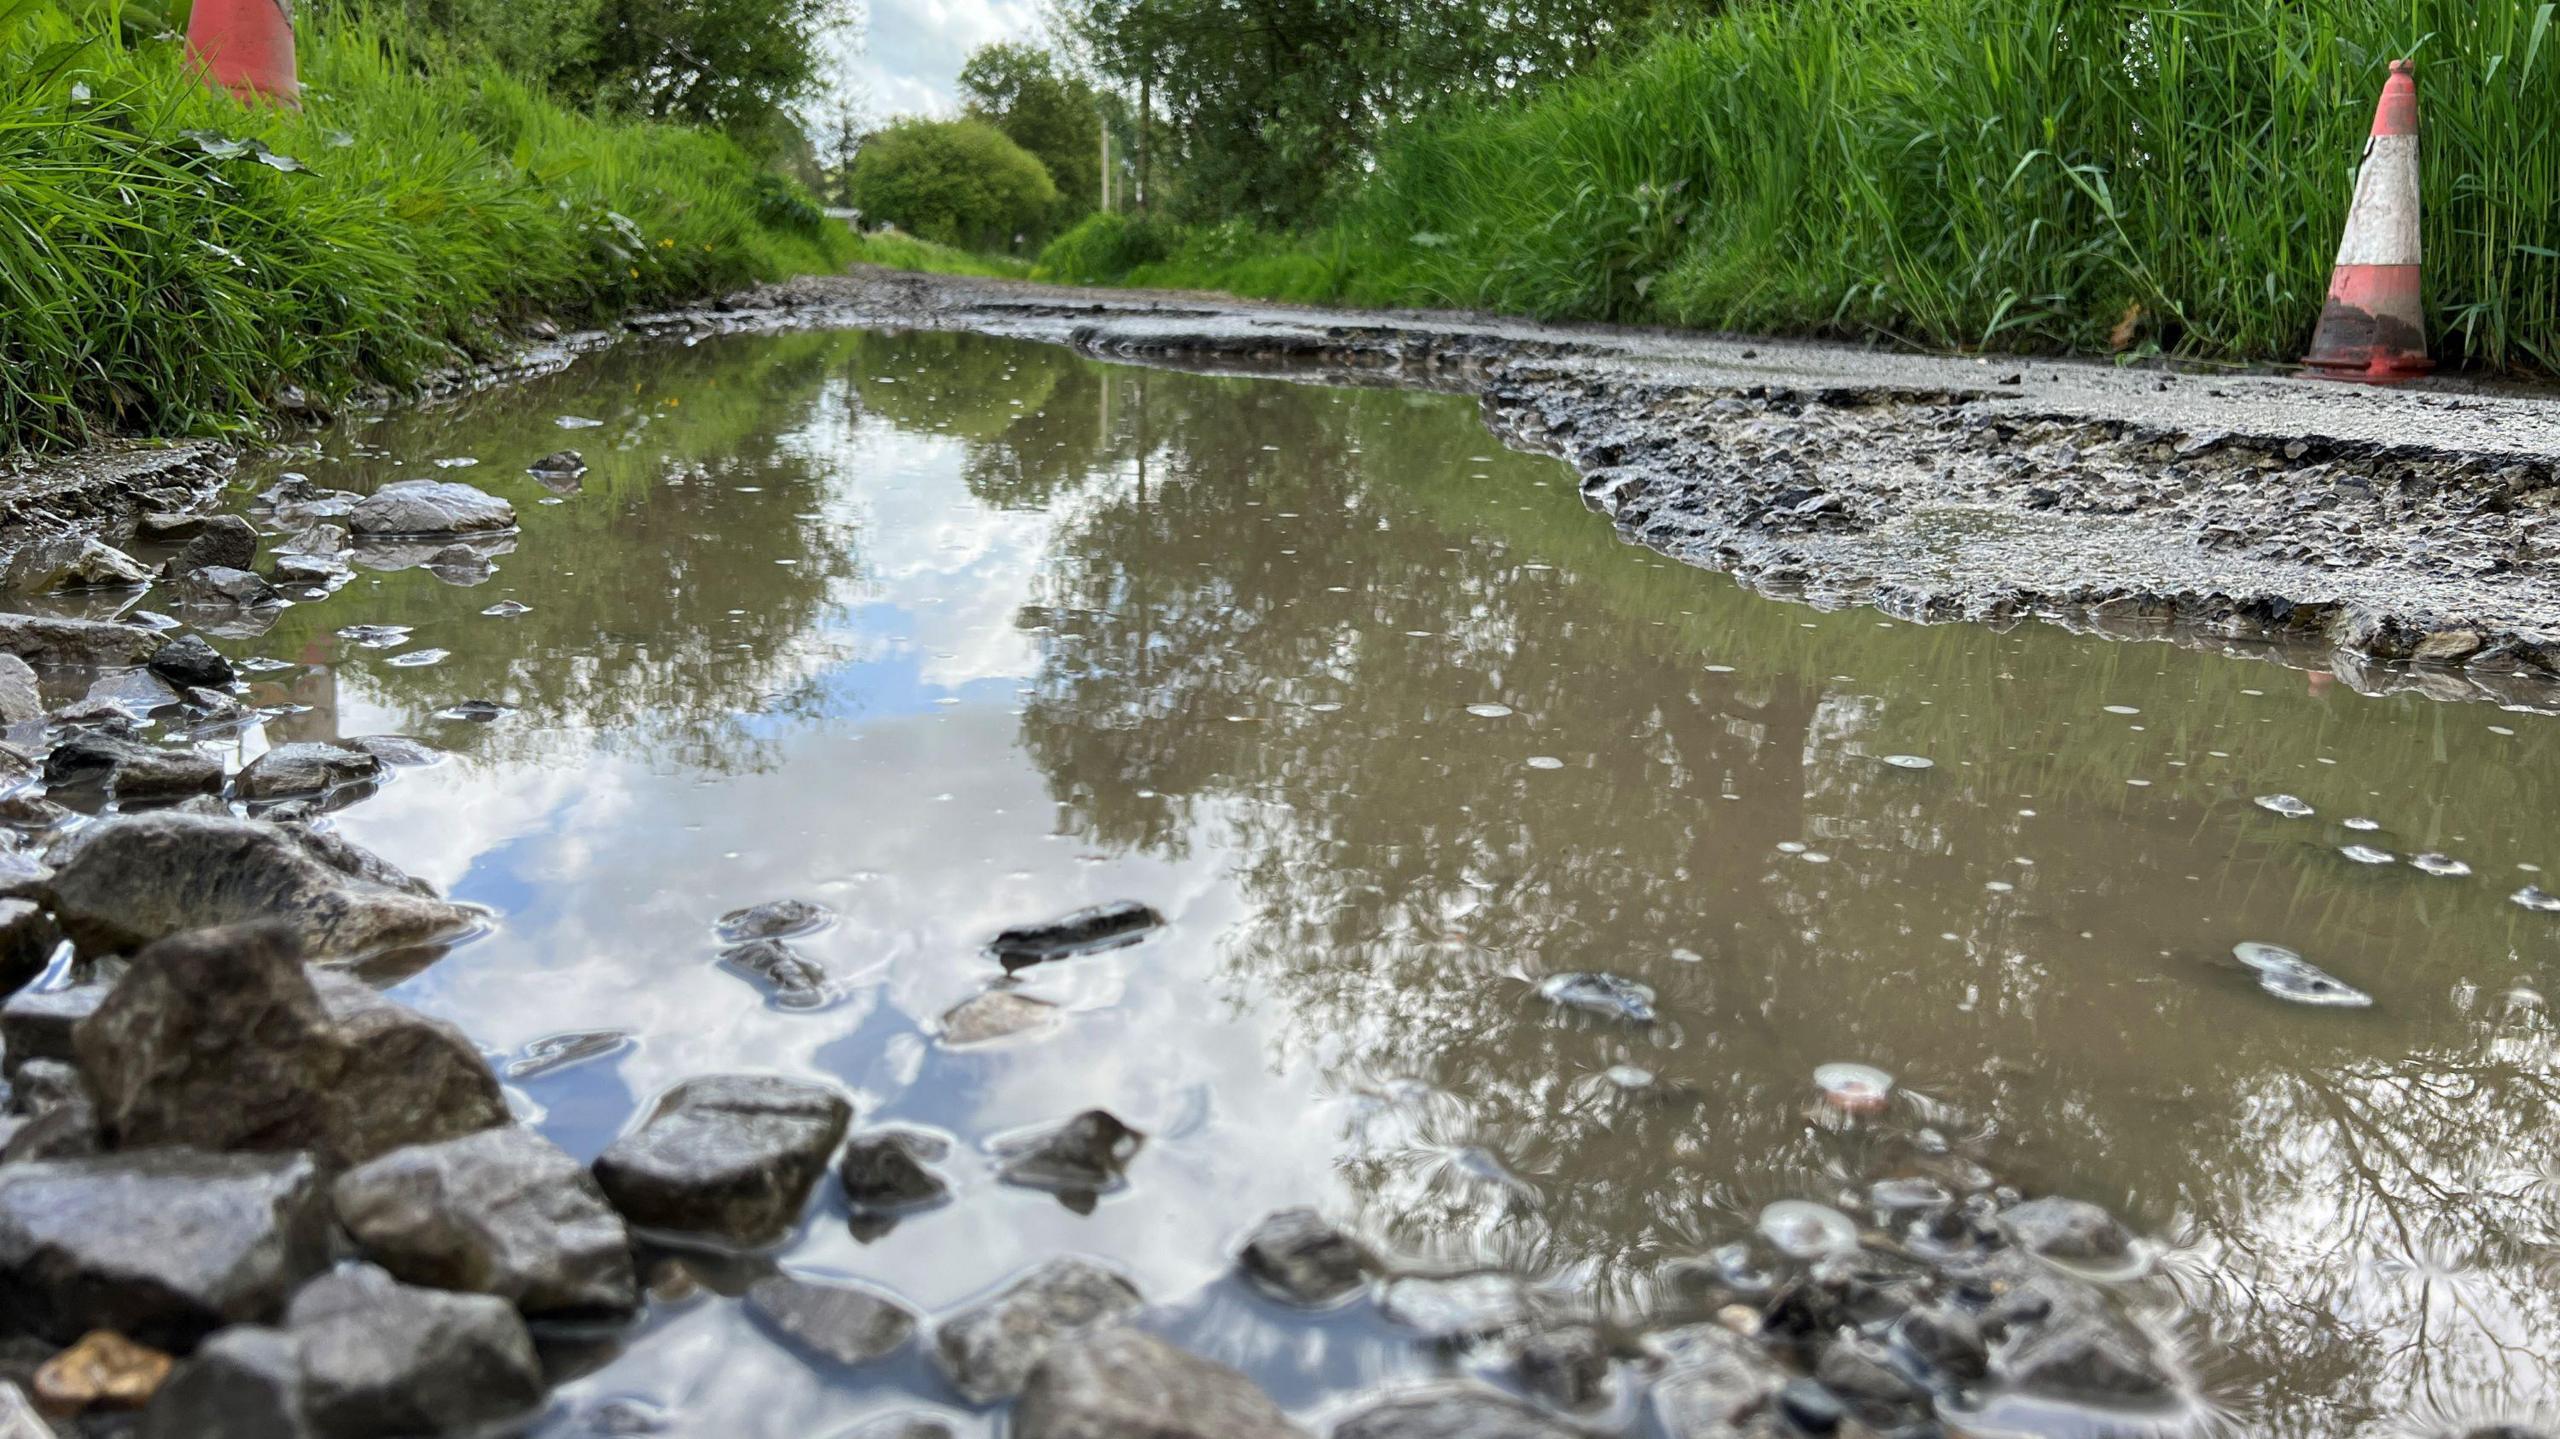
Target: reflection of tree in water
[679, 596]
[1409, 877]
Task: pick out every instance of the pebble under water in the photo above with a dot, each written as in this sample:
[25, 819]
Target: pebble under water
[1487, 853]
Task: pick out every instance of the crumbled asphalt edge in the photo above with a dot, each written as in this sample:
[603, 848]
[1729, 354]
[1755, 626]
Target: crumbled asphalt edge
[2394, 566]
[1808, 492]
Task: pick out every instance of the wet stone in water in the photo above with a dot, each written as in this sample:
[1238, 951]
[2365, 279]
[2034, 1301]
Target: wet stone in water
[996, 1015]
[1801, 1229]
[380, 1357]
[2536, 898]
[1566, 1367]
[1295, 1255]
[1119, 1383]
[885, 1171]
[304, 768]
[1605, 995]
[728, 1156]
[2444, 866]
[2287, 975]
[2368, 854]
[1103, 926]
[1853, 1088]
[843, 1323]
[773, 919]
[1457, 1307]
[788, 978]
[189, 663]
[988, 1352]
[559, 1051]
[1087, 1154]
[1451, 1411]
[2068, 1229]
[1910, 761]
[2284, 804]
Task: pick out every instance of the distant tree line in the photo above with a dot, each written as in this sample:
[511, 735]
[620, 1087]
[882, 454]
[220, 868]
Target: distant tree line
[1262, 110]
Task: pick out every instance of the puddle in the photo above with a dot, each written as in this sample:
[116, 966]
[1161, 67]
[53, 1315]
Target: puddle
[947, 635]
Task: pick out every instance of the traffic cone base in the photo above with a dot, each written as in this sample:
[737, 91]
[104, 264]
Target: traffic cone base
[2373, 327]
[246, 47]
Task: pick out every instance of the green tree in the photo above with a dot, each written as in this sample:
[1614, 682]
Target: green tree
[736, 64]
[954, 182]
[1262, 106]
[1041, 106]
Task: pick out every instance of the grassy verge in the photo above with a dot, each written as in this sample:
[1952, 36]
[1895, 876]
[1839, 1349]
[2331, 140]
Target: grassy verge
[2046, 175]
[171, 259]
[896, 250]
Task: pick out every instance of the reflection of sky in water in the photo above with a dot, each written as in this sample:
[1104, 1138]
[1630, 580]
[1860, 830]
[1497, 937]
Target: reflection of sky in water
[995, 646]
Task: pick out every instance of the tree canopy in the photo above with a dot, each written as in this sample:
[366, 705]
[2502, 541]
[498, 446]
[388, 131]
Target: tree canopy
[954, 182]
[1266, 104]
[1046, 109]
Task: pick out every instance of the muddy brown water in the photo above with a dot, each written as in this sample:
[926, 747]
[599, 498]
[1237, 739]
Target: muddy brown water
[948, 633]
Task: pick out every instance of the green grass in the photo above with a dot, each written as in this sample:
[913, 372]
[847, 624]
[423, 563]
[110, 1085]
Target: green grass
[2039, 175]
[897, 250]
[170, 259]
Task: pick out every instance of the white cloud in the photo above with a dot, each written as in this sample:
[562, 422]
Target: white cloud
[914, 49]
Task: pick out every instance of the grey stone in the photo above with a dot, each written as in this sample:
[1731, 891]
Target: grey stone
[51, 1116]
[47, 641]
[131, 879]
[20, 701]
[845, 1323]
[884, 1172]
[559, 464]
[1120, 1383]
[733, 1156]
[1297, 1256]
[1457, 1307]
[38, 1024]
[1863, 1374]
[307, 767]
[190, 663]
[1566, 1366]
[161, 1245]
[888, 1426]
[243, 1383]
[1713, 1382]
[130, 768]
[91, 564]
[220, 1039]
[988, 1352]
[2080, 1358]
[1947, 1338]
[1451, 1411]
[28, 937]
[224, 541]
[504, 1212]
[382, 1358]
[774, 919]
[995, 1015]
[787, 978]
[303, 567]
[1086, 1154]
[2072, 1230]
[1102, 926]
[137, 693]
[395, 749]
[220, 585]
[429, 507]
[162, 527]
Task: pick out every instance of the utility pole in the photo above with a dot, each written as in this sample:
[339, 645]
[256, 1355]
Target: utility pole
[1106, 164]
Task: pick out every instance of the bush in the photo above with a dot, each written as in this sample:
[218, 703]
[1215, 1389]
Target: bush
[1103, 248]
[170, 258]
[954, 182]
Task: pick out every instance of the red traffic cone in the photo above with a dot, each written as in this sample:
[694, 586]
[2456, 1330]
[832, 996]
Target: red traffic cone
[2372, 328]
[246, 46]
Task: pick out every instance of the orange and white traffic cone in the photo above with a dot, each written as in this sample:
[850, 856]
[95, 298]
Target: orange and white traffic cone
[2372, 328]
[246, 46]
